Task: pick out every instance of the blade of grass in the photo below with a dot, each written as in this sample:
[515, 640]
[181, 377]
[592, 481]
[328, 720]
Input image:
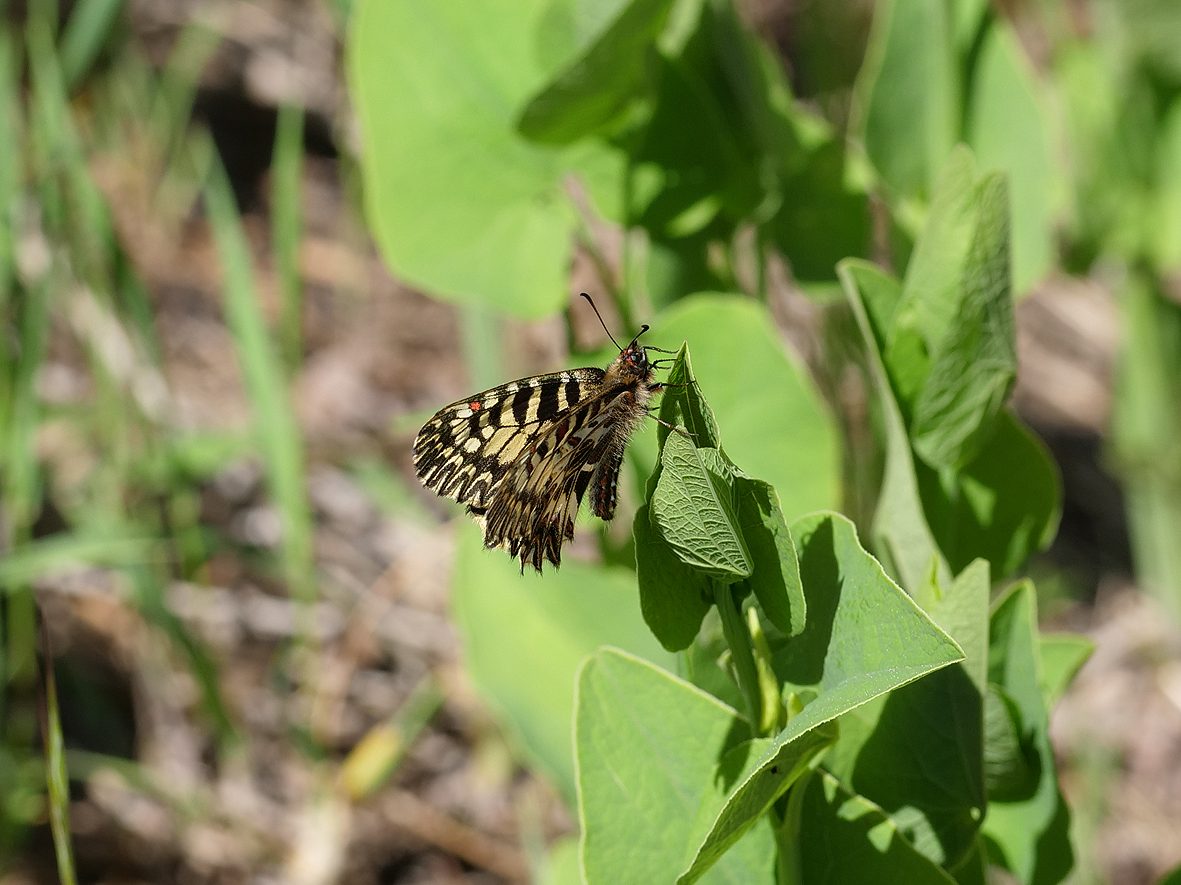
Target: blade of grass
[84, 231]
[147, 585]
[71, 551]
[22, 478]
[371, 764]
[286, 169]
[86, 33]
[55, 768]
[11, 122]
[84, 219]
[45, 13]
[172, 107]
[81, 216]
[86, 222]
[119, 362]
[277, 432]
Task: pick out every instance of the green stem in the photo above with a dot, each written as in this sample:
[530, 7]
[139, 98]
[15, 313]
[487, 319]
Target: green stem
[480, 329]
[741, 650]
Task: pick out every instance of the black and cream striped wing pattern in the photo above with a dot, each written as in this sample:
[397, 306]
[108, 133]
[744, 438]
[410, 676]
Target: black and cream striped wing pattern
[522, 456]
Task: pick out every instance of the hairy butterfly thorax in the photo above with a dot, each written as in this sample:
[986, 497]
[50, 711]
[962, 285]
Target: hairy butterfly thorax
[523, 456]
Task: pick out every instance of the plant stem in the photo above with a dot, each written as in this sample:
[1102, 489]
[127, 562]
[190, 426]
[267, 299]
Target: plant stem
[741, 651]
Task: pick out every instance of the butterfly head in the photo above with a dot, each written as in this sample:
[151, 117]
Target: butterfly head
[633, 362]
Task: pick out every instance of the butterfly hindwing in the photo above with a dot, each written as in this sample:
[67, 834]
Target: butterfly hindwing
[533, 511]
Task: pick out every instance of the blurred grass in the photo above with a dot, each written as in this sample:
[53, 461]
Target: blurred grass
[62, 271]
[86, 35]
[277, 433]
[286, 170]
[131, 510]
[19, 357]
[55, 770]
[10, 172]
[373, 761]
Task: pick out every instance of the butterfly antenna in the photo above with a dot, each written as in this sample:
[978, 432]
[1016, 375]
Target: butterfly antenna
[603, 324]
[644, 328]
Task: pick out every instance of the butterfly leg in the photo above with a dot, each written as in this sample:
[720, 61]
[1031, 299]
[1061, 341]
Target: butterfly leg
[673, 427]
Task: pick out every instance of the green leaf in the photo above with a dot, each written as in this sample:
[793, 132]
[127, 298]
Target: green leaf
[956, 296]
[525, 636]
[848, 592]
[648, 745]
[726, 87]
[1010, 126]
[1110, 123]
[693, 512]
[1147, 425]
[1149, 29]
[1029, 837]
[1062, 655]
[963, 612]
[909, 91]
[1011, 766]
[935, 274]
[973, 869]
[776, 426]
[844, 837]
[776, 576]
[560, 865]
[824, 216]
[969, 17]
[706, 84]
[1004, 505]
[917, 752]
[673, 596]
[677, 266]
[607, 75]
[974, 365]
[900, 532]
[683, 405]
[732, 823]
[986, 486]
[1165, 245]
[864, 636]
[459, 204]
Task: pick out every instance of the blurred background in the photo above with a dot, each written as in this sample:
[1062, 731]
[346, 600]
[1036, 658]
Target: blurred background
[211, 373]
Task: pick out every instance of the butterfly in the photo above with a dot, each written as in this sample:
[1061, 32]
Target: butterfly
[522, 456]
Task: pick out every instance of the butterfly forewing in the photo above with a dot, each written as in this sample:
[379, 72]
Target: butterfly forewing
[463, 452]
[522, 456]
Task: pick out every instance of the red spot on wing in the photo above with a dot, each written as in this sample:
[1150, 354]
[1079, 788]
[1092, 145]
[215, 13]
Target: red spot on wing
[475, 405]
